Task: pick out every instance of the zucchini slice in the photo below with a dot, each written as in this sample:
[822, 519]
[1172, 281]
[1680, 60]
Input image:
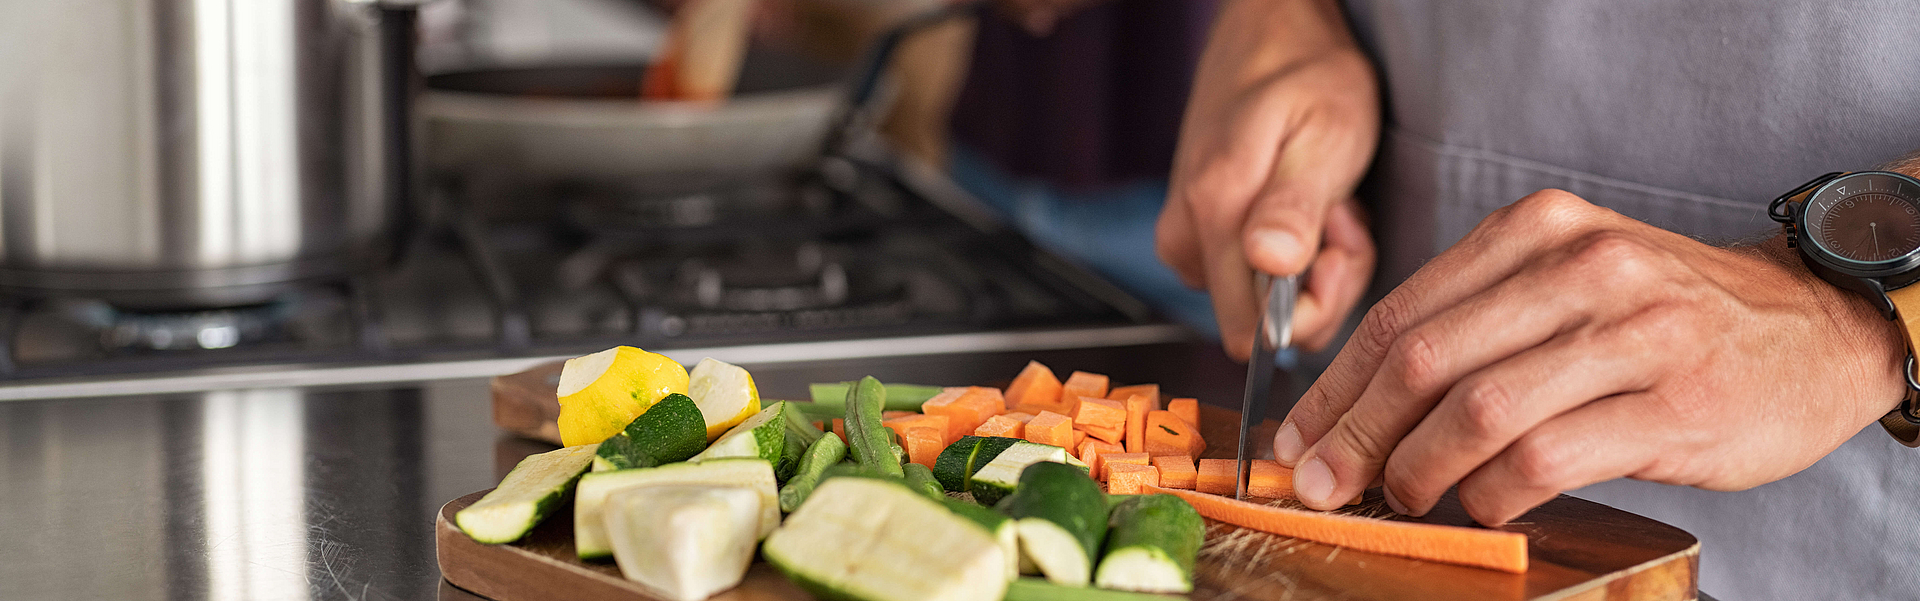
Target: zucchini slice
[870, 539]
[529, 493]
[1152, 541]
[1062, 517]
[684, 542]
[1001, 476]
[590, 539]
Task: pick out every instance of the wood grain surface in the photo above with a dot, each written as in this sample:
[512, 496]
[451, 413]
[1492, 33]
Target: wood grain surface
[1578, 550]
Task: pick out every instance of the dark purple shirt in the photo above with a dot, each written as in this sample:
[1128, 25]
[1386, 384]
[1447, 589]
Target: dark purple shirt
[1096, 103]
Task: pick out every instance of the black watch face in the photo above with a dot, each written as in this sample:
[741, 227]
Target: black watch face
[1871, 219]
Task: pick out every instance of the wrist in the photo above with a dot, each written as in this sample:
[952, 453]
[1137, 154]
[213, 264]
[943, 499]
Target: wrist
[1874, 345]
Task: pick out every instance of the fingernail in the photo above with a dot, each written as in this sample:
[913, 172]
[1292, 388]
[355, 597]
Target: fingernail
[1394, 503]
[1278, 243]
[1313, 482]
[1287, 445]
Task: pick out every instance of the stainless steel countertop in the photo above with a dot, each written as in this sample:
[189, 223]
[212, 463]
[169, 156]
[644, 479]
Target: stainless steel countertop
[318, 492]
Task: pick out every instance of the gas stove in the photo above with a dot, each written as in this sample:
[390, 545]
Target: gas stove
[848, 255]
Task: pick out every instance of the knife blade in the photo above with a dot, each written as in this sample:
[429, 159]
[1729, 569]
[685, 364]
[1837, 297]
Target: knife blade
[1275, 332]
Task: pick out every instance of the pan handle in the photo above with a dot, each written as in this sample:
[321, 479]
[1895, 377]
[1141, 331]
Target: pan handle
[873, 68]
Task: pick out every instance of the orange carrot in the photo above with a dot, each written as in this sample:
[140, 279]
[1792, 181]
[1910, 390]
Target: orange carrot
[1167, 434]
[900, 425]
[1267, 478]
[1176, 471]
[894, 414]
[1036, 386]
[1109, 460]
[1136, 436]
[1081, 384]
[1020, 416]
[1478, 547]
[965, 408]
[840, 428]
[1151, 391]
[1187, 409]
[1050, 428]
[1131, 478]
[1001, 425]
[1218, 476]
[1093, 453]
[1079, 436]
[1100, 413]
[1114, 434]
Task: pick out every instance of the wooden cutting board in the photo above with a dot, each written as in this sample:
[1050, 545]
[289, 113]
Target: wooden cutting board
[1578, 550]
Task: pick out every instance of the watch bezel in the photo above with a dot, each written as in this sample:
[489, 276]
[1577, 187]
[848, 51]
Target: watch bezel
[1867, 269]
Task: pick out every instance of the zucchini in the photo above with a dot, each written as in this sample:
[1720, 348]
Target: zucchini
[668, 432]
[900, 397]
[1062, 517]
[1035, 589]
[999, 526]
[763, 436]
[957, 464]
[868, 441]
[870, 539]
[1152, 541]
[1000, 476]
[684, 542]
[536, 487]
[813, 466]
[920, 479]
[589, 526]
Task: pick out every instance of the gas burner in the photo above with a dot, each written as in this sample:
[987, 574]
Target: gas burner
[124, 330]
[764, 280]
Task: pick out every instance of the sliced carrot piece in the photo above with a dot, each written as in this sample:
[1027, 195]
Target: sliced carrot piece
[1020, 416]
[1176, 471]
[1093, 452]
[1001, 425]
[1113, 435]
[1081, 384]
[1100, 413]
[894, 414]
[1167, 434]
[1187, 409]
[965, 407]
[1151, 391]
[1107, 461]
[1035, 386]
[1079, 436]
[1137, 408]
[1267, 478]
[1131, 478]
[1218, 476]
[900, 425]
[924, 443]
[840, 428]
[1478, 547]
[1050, 428]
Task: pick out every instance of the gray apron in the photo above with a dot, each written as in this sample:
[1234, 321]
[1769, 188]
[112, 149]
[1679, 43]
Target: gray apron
[1690, 115]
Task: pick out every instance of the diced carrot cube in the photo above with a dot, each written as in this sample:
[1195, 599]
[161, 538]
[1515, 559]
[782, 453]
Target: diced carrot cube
[1036, 386]
[1050, 428]
[1112, 435]
[924, 443]
[1151, 391]
[1100, 413]
[1167, 434]
[1093, 453]
[1020, 416]
[965, 408]
[1081, 384]
[1108, 460]
[1218, 476]
[894, 414]
[1136, 436]
[900, 425]
[1187, 409]
[1267, 478]
[1176, 471]
[1001, 425]
[1131, 479]
[840, 428]
[1079, 436]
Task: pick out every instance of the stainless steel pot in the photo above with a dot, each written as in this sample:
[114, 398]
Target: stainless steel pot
[176, 153]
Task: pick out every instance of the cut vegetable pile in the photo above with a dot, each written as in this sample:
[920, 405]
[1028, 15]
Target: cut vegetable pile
[920, 492]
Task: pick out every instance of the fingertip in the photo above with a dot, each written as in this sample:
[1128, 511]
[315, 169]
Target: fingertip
[1313, 483]
[1288, 445]
[1276, 251]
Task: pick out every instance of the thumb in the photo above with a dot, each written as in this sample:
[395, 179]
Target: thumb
[1284, 227]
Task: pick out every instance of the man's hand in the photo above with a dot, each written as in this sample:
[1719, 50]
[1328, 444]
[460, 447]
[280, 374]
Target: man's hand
[1561, 344]
[1281, 124]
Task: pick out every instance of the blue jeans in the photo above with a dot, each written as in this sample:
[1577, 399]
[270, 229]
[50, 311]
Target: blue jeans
[1110, 231]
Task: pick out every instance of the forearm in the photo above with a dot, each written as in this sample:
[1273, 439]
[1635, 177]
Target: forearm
[1253, 39]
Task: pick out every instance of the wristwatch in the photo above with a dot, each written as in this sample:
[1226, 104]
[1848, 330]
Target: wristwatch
[1861, 231]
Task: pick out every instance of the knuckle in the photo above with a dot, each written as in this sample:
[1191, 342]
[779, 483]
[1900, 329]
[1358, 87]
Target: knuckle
[1615, 256]
[1383, 323]
[1358, 440]
[1540, 463]
[1486, 408]
[1416, 360]
[1552, 207]
[1412, 485]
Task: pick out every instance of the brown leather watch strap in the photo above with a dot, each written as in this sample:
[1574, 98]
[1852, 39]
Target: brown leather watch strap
[1906, 304]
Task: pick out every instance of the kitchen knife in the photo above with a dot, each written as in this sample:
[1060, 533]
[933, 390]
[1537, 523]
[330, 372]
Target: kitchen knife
[1275, 333]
